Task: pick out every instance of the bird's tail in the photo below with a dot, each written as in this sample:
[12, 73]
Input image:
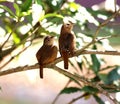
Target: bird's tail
[65, 58]
[41, 71]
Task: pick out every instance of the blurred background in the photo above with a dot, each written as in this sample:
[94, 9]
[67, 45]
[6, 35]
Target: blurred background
[24, 24]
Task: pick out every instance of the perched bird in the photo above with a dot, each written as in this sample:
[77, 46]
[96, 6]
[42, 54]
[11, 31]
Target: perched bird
[66, 42]
[47, 53]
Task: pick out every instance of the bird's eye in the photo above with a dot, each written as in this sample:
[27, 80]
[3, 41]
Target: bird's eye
[67, 24]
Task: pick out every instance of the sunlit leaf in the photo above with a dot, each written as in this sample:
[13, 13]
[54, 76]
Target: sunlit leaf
[87, 96]
[16, 39]
[70, 90]
[98, 99]
[17, 9]
[52, 15]
[74, 6]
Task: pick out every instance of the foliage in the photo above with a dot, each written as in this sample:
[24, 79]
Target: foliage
[39, 17]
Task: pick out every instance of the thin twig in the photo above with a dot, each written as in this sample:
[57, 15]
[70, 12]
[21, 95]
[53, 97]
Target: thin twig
[32, 34]
[98, 30]
[79, 97]
[59, 93]
[77, 53]
[13, 57]
[99, 52]
[29, 38]
[86, 82]
[115, 5]
[73, 65]
[106, 94]
[108, 67]
[104, 23]
[9, 36]
[68, 74]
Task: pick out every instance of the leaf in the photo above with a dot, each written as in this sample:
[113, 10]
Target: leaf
[96, 63]
[52, 15]
[70, 90]
[74, 6]
[90, 89]
[26, 5]
[114, 75]
[16, 39]
[17, 9]
[111, 76]
[39, 2]
[96, 79]
[104, 78]
[98, 99]
[94, 47]
[8, 10]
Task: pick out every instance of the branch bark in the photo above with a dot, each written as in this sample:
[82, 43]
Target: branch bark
[51, 65]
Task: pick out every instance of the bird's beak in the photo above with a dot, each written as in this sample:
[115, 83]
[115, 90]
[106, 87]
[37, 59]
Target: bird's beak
[71, 22]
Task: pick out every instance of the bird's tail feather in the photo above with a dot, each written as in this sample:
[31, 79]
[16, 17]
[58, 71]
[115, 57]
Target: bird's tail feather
[65, 58]
[41, 71]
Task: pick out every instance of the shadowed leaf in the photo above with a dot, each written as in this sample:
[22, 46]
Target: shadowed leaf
[70, 90]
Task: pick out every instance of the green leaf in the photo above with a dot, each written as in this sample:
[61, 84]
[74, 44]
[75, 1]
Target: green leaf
[98, 99]
[74, 6]
[104, 78]
[94, 47]
[96, 63]
[40, 2]
[26, 5]
[70, 90]
[114, 75]
[90, 89]
[8, 10]
[52, 15]
[17, 9]
[16, 39]
[96, 79]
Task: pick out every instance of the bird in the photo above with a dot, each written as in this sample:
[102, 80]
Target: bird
[67, 44]
[47, 53]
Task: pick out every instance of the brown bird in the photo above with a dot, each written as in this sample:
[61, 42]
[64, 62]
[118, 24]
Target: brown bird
[66, 42]
[47, 53]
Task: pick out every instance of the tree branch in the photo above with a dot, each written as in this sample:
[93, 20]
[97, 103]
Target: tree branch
[77, 53]
[79, 97]
[66, 73]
